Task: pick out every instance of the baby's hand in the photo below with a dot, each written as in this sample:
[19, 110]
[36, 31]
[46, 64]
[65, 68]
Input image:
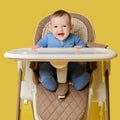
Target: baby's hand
[77, 47]
[35, 47]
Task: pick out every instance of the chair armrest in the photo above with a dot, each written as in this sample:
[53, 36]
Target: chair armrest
[96, 45]
[93, 65]
[34, 66]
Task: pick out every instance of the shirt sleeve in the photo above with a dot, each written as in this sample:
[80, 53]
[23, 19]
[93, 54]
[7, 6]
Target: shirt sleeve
[79, 42]
[43, 42]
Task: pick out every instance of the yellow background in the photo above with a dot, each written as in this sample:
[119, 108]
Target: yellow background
[18, 21]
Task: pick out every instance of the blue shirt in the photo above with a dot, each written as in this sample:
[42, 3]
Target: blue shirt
[51, 42]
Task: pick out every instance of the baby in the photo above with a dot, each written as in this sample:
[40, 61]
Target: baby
[60, 36]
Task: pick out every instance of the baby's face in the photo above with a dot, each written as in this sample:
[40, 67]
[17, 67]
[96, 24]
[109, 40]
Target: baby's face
[60, 27]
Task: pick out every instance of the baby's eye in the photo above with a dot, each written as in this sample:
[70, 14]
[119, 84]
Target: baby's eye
[55, 26]
[64, 26]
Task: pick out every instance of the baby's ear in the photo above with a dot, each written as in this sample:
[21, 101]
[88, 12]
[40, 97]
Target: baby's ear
[50, 27]
[72, 26]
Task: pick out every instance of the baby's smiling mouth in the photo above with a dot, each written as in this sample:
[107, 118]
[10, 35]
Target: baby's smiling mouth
[60, 34]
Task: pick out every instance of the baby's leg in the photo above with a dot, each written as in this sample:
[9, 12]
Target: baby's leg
[78, 76]
[48, 76]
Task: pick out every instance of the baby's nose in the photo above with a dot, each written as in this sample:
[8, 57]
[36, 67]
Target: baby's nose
[60, 28]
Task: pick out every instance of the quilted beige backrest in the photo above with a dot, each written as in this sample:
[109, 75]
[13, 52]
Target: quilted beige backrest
[82, 28]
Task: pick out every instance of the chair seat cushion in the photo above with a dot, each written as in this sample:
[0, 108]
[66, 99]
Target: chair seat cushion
[72, 107]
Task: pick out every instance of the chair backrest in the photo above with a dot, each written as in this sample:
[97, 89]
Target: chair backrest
[82, 28]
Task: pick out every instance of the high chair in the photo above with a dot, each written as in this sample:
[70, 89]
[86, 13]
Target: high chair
[82, 28]
[76, 105]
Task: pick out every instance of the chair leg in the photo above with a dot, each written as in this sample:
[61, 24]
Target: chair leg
[107, 95]
[18, 98]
